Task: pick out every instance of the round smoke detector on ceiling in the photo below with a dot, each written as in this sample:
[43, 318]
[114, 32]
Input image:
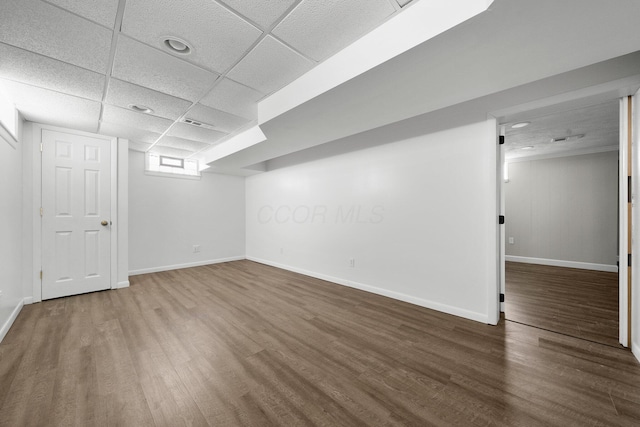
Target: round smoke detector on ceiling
[520, 125]
[177, 45]
[141, 108]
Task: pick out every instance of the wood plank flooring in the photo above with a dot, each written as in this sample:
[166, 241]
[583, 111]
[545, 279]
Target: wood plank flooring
[580, 303]
[246, 344]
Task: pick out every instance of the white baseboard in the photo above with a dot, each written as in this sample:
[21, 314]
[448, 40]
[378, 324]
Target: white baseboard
[635, 349]
[123, 284]
[479, 317]
[562, 263]
[28, 300]
[10, 320]
[186, 265]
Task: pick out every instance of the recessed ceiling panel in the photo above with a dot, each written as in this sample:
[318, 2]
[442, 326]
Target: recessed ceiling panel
[218, 37]
[264, 13]
[131, 133]
[49, 107]
[219, 119]
[171, 152]
[149, 67]
[101, 11]
[181, 144]
[121, 116]
[321, 28]
[270, 66]
[42, 28]
[183, 130]
[23, 66]
[124, 94]
[235, 98]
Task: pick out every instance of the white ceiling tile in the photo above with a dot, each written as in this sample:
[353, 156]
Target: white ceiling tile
[321, 28]
[218, 37]
[270, 66]
[50, 31]
[264, 13]
[131, 133]
[235, 98]
[101, 11]
[138, 146]
[181, 143]
[124, 94]
[171, 152]
[23, 66]
[49, 107]
[124, 117]
[183, 130]
[219, 119]
[145, 66]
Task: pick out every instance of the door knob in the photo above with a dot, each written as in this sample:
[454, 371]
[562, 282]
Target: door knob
[104, 222]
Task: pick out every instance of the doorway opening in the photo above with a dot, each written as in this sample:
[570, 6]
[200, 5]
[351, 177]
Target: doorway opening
[561, 237]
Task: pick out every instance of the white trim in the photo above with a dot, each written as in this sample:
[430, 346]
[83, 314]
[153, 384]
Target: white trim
[479, 317]
[623, 227]
[124, 284]
[28, 300]
[635, 349]
[185, 265]
[171, 175]
[113, 216]
[7, 325]
[563, 263]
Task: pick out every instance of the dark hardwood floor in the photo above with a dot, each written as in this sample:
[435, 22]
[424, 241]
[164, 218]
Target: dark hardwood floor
[580, 303]
[245, 344]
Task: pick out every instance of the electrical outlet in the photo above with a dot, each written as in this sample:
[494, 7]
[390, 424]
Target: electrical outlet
[511, 241]
[352, 262]
[196, 249]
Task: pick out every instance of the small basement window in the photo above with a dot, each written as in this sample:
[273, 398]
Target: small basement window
[157, 164]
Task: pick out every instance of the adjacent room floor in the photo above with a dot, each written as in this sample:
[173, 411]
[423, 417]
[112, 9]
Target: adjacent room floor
[580, 303]
[245, 344]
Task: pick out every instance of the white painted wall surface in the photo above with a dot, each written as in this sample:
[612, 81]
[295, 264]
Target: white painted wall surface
[564, 209]
[11, 297]
[417, 216]
[168, 216]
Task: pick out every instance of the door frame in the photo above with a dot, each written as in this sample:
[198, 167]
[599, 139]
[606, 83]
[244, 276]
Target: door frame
[36, 159]
[624, 228]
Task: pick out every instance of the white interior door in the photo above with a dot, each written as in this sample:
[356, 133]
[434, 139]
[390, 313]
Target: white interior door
[76, 241]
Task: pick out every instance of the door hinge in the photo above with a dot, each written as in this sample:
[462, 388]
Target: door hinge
[40, 274]
[501, 297]
[501, 140]
[501, 219]
[41, 211]
[629, 260]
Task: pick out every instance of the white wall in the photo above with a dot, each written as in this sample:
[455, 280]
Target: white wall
[11, 299]
[167, 216]
[564, 209]
[417, 216]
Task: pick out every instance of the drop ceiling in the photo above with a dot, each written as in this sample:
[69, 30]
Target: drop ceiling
[86, 64]
[588, 129]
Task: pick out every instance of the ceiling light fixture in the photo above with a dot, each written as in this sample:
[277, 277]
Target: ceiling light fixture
[141, 108]
[520, 125]
[176, 45]
[567, 138]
